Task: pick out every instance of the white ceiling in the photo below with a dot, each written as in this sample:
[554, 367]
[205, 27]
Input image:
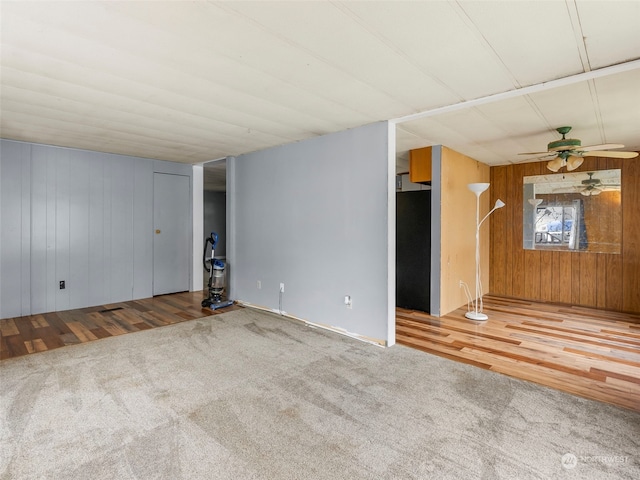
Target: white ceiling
[196, 81]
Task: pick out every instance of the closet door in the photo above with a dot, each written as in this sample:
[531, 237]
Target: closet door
[172, 233]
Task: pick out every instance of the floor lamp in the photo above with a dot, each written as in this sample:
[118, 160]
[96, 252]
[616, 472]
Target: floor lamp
[478, 188]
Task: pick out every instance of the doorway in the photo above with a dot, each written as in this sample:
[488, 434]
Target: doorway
[413, 250]
[215, 211]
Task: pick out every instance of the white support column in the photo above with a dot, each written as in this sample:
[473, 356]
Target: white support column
[197, 200]
[391, 235]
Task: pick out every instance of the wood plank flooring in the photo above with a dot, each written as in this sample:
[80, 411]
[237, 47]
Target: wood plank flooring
[37, 333]
[586, 352]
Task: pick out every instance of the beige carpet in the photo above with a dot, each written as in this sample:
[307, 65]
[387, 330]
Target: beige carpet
[251, 395]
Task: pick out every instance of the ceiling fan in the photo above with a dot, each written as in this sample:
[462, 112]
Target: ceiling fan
[569, 152]
[594, 186]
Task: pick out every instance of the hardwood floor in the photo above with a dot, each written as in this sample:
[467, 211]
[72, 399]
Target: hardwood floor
[37, 333]
[586, 352]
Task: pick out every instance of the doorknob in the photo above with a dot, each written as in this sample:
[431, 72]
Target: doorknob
[157, 231]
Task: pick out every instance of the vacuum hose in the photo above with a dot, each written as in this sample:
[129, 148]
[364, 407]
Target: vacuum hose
[213, 239]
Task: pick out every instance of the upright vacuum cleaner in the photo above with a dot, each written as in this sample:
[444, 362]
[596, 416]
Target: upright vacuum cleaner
[215, 268]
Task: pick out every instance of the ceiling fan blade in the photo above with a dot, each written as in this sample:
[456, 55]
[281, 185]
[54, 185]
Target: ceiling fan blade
[607, 154]
[606, 146]
[537, 153]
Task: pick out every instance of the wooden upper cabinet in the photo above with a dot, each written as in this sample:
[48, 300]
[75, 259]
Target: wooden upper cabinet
[420, 165]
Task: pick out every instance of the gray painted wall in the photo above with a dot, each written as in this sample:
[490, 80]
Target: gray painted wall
[75, 215]
[215, 219]
[314, 215]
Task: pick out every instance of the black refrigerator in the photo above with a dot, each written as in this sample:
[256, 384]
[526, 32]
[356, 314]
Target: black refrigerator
[413, 250]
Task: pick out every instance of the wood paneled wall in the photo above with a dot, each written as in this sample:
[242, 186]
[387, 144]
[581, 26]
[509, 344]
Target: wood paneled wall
[600, 280]
[79, 216]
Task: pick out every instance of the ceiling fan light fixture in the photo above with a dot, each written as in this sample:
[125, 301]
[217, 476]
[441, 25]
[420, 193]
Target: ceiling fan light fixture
[556, 164]
[591, 191]
[574, 162]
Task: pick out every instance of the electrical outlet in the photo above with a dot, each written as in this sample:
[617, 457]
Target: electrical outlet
[347, 301]
[282, 287]
[63, 285]
[259, 285]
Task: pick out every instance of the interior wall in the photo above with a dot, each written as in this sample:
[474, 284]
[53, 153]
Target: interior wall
[314, 216]
[79, 216]
[601, 280]
[457, 227]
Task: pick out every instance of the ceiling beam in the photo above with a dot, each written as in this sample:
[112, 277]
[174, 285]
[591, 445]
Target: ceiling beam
[518, 92]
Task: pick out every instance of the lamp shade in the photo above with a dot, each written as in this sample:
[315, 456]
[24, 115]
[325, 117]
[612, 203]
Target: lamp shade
[590, 192]
[556, 164]
[574, 162]
[478, 188]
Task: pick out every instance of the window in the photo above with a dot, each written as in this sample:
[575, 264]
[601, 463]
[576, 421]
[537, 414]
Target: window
[557, 225]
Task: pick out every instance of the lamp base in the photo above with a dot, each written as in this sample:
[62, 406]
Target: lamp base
[476, 316]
